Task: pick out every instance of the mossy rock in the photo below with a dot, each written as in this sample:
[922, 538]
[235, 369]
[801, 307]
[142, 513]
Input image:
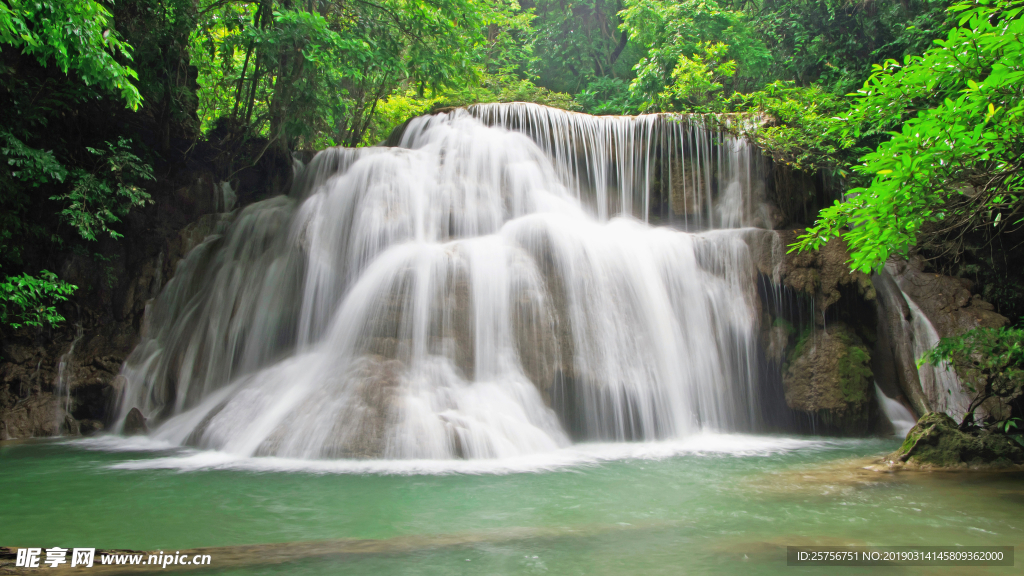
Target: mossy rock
[936, 441]
[828, 374]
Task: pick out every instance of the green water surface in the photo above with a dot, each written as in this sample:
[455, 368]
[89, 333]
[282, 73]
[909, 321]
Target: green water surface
[727, 512]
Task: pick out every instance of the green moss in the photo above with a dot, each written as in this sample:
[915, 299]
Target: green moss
[912, 437]
[937, 441]
[855, 374]
[782, 323]
[801, 343]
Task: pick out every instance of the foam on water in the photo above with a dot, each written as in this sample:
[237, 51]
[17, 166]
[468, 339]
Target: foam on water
[578, 455]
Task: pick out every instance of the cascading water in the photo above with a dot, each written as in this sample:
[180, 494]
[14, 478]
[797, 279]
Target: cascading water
[899, 416]
[940, 384]
[465, 294]
[62, 387]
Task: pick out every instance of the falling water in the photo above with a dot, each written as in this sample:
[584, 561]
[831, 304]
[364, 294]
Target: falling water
[62, 387]
[487, 288]
[940, 384]
[899, 416]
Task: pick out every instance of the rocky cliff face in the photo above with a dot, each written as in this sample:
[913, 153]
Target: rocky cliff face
[887, 321]
[817, 329]
[64, 382]
[915, 309]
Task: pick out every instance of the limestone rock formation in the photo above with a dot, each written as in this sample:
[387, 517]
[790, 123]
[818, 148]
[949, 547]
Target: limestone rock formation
[914, 309]
[947, 301]
[29, 406]
[936, 441]
[829, 375]
[822, 273]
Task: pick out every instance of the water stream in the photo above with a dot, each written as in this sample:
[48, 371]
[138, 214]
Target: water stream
[62, 386]
[901, 418]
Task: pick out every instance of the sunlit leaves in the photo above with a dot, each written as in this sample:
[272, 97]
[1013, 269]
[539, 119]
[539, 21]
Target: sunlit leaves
[76, 36]
[697, 80]
[956, 157]
[797, 126]
[669, 31]
[29, 300]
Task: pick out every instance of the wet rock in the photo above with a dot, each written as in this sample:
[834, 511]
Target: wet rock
[361, 429]
[17, 354]
[89, 427]
[135, 423]
[535, 339]
[822, 273]
[688, 186]
[776, 338]
[946, 301]
[37, 416]
[936, 441]
[69, 426]
[829, 376]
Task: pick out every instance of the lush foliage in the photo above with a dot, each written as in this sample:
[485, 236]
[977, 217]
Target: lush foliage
[75, 39]
[990, 362]
[579, 42]
[955, 160]
[798, 126]
[697, 81]
[99, 197]
[73, 34]
[690, 40]
[29, 301]
[315, 76]
[833, 43]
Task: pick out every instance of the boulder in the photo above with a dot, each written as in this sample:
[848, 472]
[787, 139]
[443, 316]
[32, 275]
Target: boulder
[936, 441]
[135, 423]
[821, 273]
[828, 376]
[37, 416]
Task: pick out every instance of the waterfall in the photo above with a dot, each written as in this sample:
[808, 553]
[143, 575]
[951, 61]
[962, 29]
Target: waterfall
[940, 384]
[490, 287]
[899, 416]
[62, 387]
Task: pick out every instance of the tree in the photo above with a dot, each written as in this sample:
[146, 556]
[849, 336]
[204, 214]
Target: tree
[580, 41]
[669, 31]
[57, 55]
[312, 75]
[74, 35]
[697, 82]
[991, 363]
[798, 126]
[833, 43]
[954, 165]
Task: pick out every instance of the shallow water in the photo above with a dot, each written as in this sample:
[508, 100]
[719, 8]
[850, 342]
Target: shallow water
[712, 504]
